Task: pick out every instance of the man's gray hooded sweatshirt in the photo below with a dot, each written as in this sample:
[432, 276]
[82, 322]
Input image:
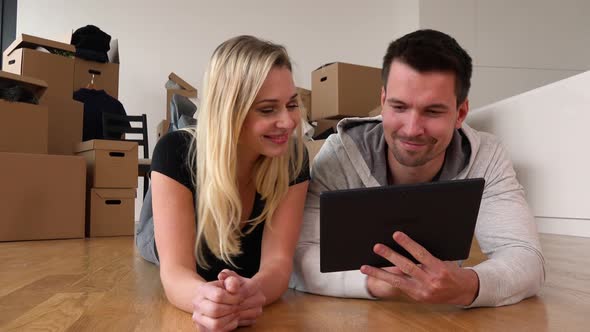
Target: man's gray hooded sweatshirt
[355, 157]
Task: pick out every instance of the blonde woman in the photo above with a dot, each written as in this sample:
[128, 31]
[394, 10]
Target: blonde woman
[227, 198]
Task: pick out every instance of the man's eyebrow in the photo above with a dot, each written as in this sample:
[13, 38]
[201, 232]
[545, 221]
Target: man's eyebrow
[395, 101]
[435, 105]
[443, 106]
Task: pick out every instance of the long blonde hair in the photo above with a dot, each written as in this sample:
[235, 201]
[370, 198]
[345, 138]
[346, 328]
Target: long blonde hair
[235, 74]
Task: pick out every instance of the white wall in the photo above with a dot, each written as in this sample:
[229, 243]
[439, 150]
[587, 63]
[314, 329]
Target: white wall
[546, 133]
[157, 37]
[516, 45]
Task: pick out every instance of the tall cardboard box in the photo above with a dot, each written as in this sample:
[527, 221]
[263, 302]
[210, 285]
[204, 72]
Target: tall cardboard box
[23, 126]
[103, 76]
[344, 90]
[111, 164]
[111, 212]
[41, 196]
[52, 62]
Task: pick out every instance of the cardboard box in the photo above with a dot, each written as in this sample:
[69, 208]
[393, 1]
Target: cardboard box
[305, 106]
[111, 212]
[41, 196]
[313, 147]
[111, 164]
[65, 116]
[376, 111]
[162, 129]
[344, 90]
[102, 76]
[181, 88]
[323, 125]
[23, 126]
[23, 58]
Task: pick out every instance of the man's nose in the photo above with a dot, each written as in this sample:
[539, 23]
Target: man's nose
[414, 126]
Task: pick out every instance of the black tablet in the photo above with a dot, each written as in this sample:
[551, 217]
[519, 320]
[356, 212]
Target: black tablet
[440, 216]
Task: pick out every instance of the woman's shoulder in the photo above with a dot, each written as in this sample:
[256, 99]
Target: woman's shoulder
[171, 155]
[175, 138]
[176, 143]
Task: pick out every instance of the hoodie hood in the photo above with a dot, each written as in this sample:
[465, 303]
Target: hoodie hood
[364, 144]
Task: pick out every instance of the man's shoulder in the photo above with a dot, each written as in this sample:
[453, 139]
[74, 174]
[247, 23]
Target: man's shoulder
[481, 140]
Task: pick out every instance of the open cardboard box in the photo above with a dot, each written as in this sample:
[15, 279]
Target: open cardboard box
[44, 59]
[103, 76]
[52, 62]
[23, 126]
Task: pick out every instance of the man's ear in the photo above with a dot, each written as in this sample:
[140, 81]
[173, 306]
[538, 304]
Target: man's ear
[463, 110]
[382, 96]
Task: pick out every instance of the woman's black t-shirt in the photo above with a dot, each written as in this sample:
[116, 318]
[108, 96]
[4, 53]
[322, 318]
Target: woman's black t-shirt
[170, 158]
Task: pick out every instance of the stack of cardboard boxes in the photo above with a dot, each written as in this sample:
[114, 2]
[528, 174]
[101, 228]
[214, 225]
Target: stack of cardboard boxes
[42, 195]
[340, 90]
[111, 186]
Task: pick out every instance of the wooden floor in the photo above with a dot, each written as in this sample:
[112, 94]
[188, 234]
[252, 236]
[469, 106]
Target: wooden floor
[102, 285]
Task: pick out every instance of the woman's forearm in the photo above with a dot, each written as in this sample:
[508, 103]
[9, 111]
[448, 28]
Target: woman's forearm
[180, 284]
[273, 279]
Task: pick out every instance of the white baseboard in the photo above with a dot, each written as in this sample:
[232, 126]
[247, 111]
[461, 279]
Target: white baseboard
[564, 226]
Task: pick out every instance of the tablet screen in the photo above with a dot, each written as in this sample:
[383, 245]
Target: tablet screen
[440, 216]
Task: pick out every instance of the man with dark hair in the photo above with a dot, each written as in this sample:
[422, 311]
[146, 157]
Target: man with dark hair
[420, 137]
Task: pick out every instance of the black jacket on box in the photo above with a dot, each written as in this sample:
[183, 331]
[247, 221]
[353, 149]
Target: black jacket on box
[96, 102]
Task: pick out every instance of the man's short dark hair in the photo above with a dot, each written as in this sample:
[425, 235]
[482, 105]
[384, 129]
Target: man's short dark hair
[431, 50]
